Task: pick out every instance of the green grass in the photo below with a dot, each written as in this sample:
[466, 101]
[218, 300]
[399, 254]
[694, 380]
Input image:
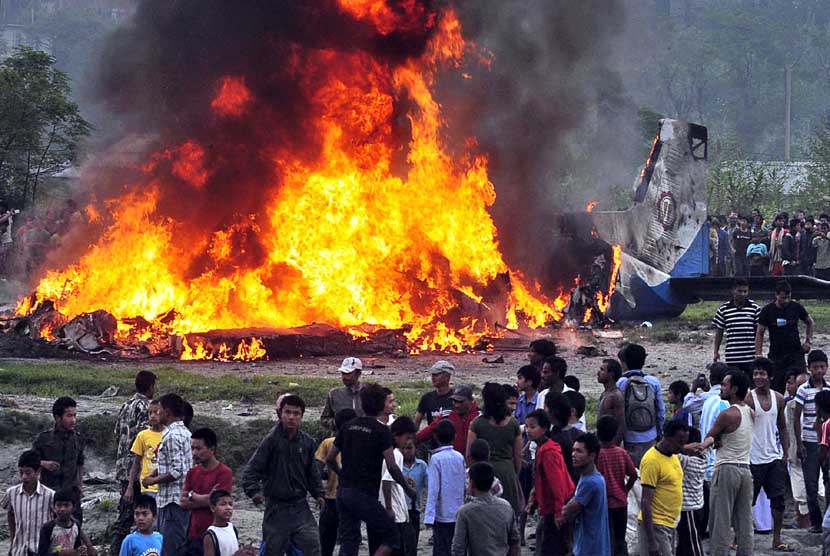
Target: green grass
[49, 379]
[702, 313]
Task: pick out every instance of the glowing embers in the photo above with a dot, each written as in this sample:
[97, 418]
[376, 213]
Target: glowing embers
[232, 98]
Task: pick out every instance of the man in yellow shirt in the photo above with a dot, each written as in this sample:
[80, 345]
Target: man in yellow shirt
[144, 448]
[329, 519]
[662, 478]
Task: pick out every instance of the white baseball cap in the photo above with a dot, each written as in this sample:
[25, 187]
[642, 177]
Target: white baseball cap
[350, 365]
[442, 367]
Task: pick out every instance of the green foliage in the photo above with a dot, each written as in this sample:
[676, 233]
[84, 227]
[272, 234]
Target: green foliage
[40, 127]
[814, 193]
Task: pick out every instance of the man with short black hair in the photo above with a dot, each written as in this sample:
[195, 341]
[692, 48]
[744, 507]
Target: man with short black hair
[346, 396]
[661, 475]
[527, 382]
[741, 238]
[61, 452]
[611, 400]
[589, 505]
[737, 319]
[132, 418]
[732, 487]
[645, 411]
[365, 444]
[207, 474]
[28, 506]
[464, 411]
[539, 351]
[806, 435]
[485, 526]
[282, 473]
[174, 461]
[437, 403]
[769, 446]
[781, 319]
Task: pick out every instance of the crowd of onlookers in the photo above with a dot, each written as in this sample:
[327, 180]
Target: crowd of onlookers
[748, 245]
[26, 237]
[665, 467]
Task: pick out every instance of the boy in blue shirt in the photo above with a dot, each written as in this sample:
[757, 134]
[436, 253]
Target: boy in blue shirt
[143, 541]
[589, 506]
[416, 469]
[446, 475]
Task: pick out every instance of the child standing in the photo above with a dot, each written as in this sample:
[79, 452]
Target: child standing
[222, 538]
[392, 496]
[480, 453]
[143, 541]
[416, 469]
[145, 448]
[445, 474]
[328, 515]
[552, 485]
[691, 512]
[28, 506]
[63, 534]
[615, 465]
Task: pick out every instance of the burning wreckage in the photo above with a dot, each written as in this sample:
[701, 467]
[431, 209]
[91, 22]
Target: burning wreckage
[336, 249]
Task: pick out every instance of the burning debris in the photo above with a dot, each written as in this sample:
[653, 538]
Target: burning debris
[324, 185]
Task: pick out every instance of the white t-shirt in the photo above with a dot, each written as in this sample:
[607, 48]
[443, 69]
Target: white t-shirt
[226, 539]
[398, 496]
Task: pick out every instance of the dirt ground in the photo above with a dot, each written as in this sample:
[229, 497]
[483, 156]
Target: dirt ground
[684, 358]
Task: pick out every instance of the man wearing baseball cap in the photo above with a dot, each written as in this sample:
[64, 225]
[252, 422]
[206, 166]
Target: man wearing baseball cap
[436, 404]
[464, 410]
[346, 396]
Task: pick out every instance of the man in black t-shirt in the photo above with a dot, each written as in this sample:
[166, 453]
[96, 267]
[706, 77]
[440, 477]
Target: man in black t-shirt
[785, 348]
[436, 404]
[741, 238]
[364, 444]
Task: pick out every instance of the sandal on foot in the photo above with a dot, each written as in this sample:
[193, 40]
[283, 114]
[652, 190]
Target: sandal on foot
[783, 547]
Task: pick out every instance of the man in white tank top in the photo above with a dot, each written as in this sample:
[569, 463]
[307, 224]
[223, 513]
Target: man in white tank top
[769, 445]
[731, 491]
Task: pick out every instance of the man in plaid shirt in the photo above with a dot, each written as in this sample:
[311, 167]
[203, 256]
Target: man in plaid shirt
[174, 461]
[132, 418]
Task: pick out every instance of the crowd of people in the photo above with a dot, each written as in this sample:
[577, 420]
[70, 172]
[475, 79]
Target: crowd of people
[698, 464]
[747, 245]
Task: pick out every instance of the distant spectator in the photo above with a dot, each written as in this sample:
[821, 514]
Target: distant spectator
[808, 252]
[776, 246]
[737, 319]
[464, 411]
[527, 382]
[821, 247]
[539, 351]
[791, 251]
[741, 238]
[553, 372]
[577, 402]
[757, 255]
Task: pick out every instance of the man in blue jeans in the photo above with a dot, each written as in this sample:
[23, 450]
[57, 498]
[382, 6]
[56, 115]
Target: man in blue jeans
[645, 411]
[364, 444]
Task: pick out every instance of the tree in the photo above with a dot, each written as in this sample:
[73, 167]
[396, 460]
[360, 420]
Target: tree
[40, 127]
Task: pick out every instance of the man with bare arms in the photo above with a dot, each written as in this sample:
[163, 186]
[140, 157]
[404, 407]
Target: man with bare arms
[769, 446]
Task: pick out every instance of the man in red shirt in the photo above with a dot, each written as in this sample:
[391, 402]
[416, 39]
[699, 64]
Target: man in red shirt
[552, 485]
[206, 475]
[464, 410]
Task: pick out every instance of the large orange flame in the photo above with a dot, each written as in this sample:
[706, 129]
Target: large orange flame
[347, 240]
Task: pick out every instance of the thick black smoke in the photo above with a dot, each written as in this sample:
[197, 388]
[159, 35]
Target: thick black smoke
[552, 95]
[551, 77]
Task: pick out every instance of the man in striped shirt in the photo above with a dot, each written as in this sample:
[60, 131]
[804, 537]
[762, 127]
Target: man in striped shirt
[737, 318]
[806, 434]
[29, 506]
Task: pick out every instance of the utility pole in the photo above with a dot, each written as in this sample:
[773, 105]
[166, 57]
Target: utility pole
[788, 100]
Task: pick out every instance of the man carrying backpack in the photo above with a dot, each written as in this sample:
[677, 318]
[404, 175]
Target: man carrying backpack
[644, 408]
